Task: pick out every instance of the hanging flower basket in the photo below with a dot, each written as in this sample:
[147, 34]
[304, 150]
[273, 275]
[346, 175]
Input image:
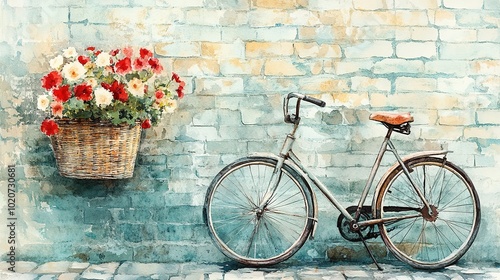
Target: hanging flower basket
[98, 102]
[95, 150]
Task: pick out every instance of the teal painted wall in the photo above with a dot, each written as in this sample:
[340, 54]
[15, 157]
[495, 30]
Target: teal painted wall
[439, 59]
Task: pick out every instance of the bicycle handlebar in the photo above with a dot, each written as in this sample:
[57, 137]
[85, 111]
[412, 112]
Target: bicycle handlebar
[315, 101]
[294, 118]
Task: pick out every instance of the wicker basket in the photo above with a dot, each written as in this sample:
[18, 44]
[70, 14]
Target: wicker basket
[95, 150]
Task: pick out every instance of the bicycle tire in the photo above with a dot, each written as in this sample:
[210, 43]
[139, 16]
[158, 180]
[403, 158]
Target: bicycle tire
[230, 212]
[434, 239]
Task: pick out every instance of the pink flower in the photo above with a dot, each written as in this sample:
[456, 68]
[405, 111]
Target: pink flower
[128, 52]
[140, 64]
[57, 109]
[49, 127]
[155, 65]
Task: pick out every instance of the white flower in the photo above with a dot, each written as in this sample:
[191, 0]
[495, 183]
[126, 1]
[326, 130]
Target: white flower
[136, 87]
[103, 97]
[70, 52]
[92, 82]
[43, 102]
[56, 62]
[103, 59]
[73, 71]
[170, 105]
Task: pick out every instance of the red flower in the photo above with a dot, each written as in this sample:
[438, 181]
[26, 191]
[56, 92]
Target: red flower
[159, 94]
[118, 90]
[123, 66]
[180, 88]
[114, 52]
[91, 49]
[155, 65]
[62, 93]
[176, 77]
[83, 92]
[145, 53]
[140, 64]
[83, 59]
[49, 127]
[51, 80]
[146, 124]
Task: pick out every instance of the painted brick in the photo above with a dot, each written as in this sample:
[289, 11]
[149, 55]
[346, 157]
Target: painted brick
[275, 4]
[303, 17]
[416, 4]
[406, 84]
[325, 83]
[482, 132]
[444, 18]
[275, 34]
[264, 49]
[241, 66]
[488, 35]
[411, 18]
[458, 35]
[178, 49]
[416, 50]
[369, 49]
[232, 33]
[488, 117]
[268, 18]
[215, 17]
[373, 5]
[347, 67]
[219, 85]
[224, 50]
[392, 65]
[463, 4]
[329, 4]
[180, 4]
[282, 67]
[375, 18]
[423, 34]
[456, 118]
[468, 51]
[169, 33]
[370, 84]
[229, 4]
[455, 85]
[310, 50]
[458, 68]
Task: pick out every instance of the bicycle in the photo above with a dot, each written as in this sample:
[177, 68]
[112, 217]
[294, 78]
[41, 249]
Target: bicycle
[260, 209]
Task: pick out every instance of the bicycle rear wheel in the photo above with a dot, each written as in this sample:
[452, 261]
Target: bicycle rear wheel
[253, 236]
[430, 239]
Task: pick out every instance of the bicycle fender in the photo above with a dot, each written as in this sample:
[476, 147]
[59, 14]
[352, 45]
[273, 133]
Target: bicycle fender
[308, 181]
[405, 159]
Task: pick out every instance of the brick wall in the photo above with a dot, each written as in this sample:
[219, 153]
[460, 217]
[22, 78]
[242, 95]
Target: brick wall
[439, 59]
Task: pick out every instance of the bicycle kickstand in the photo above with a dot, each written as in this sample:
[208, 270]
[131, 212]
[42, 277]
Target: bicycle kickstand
[370, 252]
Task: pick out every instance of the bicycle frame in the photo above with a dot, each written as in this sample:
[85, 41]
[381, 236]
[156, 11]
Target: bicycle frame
[287, 154]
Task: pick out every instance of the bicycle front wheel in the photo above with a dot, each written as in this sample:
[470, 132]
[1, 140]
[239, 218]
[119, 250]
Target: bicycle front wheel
[429, 239]
[248, 234]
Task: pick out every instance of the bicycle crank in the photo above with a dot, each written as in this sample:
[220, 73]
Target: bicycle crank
[351, 231]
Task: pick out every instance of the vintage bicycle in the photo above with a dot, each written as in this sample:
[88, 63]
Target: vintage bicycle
[261, 209]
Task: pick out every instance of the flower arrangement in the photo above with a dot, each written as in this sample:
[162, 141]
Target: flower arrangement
[122, 86]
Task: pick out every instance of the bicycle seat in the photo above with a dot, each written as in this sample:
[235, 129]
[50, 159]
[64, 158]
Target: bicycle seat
[392, 118]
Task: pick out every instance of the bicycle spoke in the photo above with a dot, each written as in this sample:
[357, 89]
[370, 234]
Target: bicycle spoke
[441, 236]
